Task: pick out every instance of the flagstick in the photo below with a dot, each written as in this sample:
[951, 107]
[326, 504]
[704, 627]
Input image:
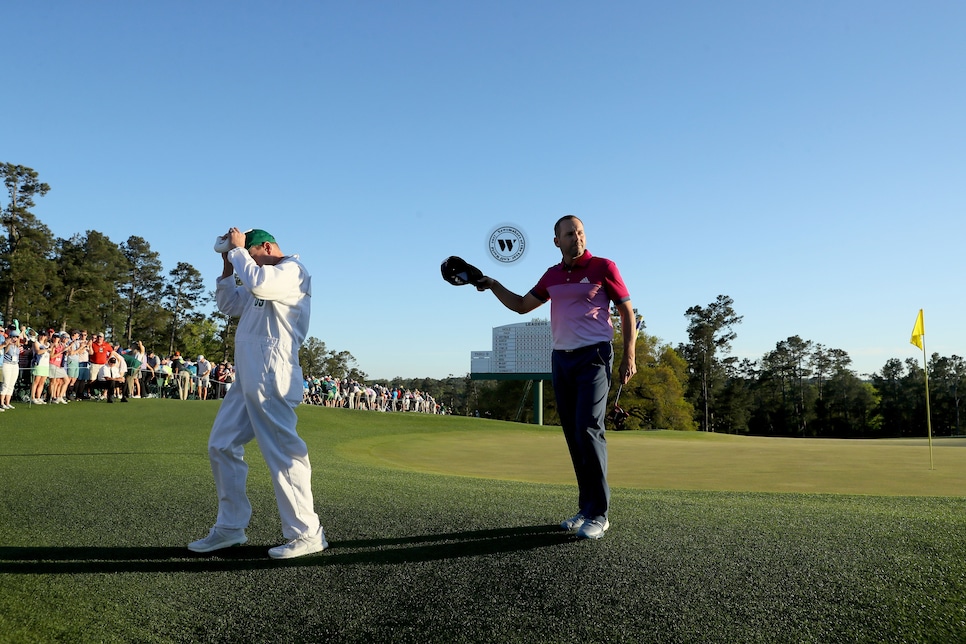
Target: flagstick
[925, 371]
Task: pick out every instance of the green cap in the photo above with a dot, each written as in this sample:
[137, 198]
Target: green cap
[256, 237]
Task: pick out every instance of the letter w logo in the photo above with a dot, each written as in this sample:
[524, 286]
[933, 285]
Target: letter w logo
[506, 245]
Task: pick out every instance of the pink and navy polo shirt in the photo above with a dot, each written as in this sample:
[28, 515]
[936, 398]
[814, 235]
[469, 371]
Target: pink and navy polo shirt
[580, 298]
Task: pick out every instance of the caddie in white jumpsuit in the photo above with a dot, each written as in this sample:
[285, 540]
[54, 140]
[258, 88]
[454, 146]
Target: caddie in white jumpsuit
[273, 303]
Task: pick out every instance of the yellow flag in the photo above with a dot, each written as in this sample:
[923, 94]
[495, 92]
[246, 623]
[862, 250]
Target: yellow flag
[918, 331]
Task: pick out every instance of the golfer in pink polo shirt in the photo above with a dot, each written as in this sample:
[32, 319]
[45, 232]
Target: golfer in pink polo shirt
[580, 290]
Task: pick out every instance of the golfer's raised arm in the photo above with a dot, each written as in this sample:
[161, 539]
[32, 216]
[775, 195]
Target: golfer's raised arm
[519, 303]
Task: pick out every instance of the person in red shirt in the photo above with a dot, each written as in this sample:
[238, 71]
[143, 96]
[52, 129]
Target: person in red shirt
[99, 352]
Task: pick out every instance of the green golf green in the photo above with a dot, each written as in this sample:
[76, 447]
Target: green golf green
[684, 461]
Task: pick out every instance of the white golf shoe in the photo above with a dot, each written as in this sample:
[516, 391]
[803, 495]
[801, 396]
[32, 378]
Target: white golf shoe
[218, 539]
[306, 544]
[593, 528]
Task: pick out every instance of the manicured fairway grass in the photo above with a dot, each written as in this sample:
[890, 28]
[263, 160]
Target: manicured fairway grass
[685, 460]
[713, 538]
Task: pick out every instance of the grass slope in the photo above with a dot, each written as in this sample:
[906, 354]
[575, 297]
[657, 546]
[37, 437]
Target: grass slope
[97, 503]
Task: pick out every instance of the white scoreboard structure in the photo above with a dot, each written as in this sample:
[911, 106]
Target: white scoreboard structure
[522, 348]
[520, 352]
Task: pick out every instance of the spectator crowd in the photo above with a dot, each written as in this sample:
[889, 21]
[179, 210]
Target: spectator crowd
[51, 367]
[351, 394]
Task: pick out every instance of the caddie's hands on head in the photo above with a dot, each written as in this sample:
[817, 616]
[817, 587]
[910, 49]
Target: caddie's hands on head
[236, 237]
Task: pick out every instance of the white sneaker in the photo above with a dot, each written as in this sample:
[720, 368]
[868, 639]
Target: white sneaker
[573, 522]
[218, 539]
[593, 528]
[307, 544]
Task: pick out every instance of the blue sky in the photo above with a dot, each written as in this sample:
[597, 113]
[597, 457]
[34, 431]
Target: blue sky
[805, 158]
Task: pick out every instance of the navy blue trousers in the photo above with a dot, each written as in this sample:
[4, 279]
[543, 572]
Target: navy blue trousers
[581, 380]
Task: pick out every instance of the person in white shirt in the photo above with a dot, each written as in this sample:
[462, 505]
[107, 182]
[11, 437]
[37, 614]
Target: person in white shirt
[274, 304]
[111, 376]
[204, 377]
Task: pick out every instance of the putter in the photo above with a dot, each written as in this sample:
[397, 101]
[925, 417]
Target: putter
[617, 415]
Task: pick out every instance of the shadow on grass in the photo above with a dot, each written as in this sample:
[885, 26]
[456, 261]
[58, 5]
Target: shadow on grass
[89, 559]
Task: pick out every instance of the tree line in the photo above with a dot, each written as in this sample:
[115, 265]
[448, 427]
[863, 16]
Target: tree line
[88, 281]
[800, 388]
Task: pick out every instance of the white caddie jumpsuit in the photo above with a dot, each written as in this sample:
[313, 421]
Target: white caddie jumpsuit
[273, 303]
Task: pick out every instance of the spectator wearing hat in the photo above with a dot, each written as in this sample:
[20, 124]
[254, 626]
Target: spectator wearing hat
[204, 377]
[11, 367]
